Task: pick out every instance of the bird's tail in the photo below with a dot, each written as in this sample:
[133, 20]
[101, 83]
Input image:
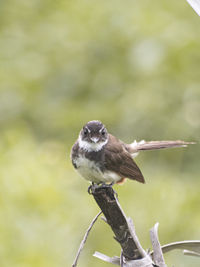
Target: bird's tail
[136, 147]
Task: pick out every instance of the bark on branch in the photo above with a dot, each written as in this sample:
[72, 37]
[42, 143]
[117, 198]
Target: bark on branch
[132, 255]
[122, 227]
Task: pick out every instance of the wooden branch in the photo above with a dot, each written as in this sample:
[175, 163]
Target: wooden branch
[144, 262]
[193, 245]
[190, 253]
[132, 254]
[108, 203]
[121, 226]
[157, 254]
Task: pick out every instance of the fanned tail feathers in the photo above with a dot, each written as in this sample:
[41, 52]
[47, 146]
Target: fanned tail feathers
[152, 145]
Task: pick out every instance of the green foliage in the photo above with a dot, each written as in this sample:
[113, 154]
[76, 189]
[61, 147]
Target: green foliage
[135, 66]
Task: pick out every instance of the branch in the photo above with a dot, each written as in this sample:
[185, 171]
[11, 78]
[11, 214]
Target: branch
[108, 203]
[132, 254]
[157, 254]
[190, 253]
[193, 245]
[121, 226]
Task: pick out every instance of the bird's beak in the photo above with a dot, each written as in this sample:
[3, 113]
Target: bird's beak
[95, 139]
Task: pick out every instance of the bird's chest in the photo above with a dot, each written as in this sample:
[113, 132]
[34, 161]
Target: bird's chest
[90, 166]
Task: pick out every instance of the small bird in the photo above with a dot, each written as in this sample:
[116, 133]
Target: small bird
[102, 158]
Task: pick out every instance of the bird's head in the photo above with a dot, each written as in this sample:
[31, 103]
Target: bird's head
[93, 136]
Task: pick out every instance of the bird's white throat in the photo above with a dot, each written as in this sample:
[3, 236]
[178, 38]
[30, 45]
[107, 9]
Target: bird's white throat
[89, 147]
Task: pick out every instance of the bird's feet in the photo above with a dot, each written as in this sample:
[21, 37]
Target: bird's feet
[93, 186]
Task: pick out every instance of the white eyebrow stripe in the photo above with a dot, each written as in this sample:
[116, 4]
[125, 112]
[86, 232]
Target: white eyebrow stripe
[102, 128]
[88, 129]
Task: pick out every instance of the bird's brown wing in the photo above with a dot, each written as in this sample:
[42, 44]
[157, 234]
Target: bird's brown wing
[118, 160]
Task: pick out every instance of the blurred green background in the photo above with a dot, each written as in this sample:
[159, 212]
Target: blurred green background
[135, 65]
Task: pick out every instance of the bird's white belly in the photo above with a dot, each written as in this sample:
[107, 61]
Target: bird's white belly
[90, 171]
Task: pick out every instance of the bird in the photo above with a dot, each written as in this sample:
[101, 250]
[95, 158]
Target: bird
[103, 159]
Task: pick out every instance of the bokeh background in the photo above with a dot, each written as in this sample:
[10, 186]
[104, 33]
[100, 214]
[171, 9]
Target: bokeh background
[135, 65]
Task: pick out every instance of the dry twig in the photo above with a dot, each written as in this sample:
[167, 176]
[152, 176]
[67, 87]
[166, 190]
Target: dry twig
[85, 239]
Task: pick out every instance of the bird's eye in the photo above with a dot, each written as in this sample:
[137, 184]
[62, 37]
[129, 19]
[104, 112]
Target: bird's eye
[85, 131]
[103, 132]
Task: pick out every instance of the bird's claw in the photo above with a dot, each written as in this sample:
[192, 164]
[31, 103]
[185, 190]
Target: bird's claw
[93, 187]
[90, 190]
